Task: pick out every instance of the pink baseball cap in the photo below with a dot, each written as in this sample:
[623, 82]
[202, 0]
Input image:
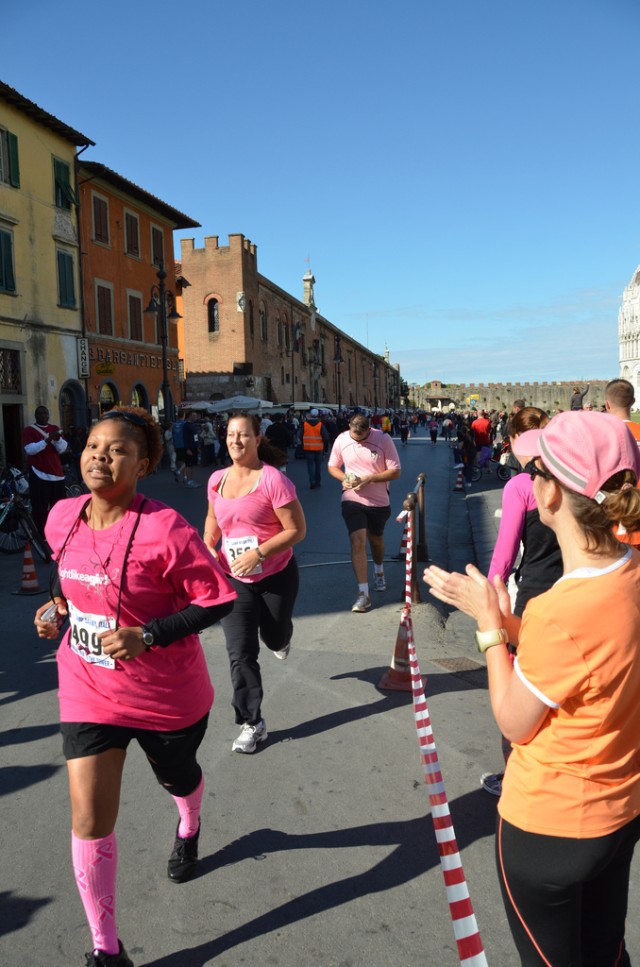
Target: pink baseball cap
[583, 450]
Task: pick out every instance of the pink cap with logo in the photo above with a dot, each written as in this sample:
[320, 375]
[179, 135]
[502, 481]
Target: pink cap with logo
[583, 450]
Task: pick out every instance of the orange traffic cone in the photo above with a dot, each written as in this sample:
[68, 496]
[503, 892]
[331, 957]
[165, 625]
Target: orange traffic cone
[459, 480]
[29, 577]
[397, 677]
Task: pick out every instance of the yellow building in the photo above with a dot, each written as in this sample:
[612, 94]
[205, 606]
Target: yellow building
[40, 289]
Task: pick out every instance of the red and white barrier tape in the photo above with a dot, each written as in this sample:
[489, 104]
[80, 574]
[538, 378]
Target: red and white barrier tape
[465, 927]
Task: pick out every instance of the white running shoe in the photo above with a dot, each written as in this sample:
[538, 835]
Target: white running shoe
[379, 583]
[362, 603]
[249, 737]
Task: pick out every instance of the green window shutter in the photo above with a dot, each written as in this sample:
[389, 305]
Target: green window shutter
[70, 282]
[64, 197]
[7, 278]
[14, 164]
[66, 283]
[58, 176]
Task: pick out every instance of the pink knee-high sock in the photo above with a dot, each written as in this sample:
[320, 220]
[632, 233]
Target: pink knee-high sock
[95, 862]
[189, 809]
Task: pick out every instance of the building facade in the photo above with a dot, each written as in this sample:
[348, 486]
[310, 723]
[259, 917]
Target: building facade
[629, 333]
[127, 239]
[40, 293]
[244, 334]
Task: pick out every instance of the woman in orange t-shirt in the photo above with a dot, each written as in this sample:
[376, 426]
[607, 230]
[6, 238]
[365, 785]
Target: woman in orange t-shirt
[569, 815]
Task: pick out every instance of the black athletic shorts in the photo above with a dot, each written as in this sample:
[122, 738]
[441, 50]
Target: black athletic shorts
[80, 739]
[359, 517]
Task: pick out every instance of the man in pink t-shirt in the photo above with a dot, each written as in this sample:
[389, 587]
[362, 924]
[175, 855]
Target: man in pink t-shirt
[365, 460]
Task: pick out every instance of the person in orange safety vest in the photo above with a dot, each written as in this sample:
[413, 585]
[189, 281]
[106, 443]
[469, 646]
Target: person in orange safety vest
[315, 440]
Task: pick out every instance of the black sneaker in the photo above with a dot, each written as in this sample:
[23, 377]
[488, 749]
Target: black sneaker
[184, 858]
[100, 959]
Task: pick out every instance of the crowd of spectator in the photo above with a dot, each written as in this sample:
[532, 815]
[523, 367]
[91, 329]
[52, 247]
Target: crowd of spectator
[478, 434]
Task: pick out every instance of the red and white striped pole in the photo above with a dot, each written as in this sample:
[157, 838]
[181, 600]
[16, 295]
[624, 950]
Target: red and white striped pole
[465, 927]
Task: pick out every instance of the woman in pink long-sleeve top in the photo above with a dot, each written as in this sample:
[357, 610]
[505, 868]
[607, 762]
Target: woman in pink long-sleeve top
[541, 562]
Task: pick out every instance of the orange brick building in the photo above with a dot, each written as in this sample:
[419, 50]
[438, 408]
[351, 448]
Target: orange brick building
[126, 237]
[244, 334]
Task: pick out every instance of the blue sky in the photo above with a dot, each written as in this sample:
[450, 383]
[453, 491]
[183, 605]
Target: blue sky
[462, 175]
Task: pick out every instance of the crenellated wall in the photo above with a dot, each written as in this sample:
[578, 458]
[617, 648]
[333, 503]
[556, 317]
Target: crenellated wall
[500, 396]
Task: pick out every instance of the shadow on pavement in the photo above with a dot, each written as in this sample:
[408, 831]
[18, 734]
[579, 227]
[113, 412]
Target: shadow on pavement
[32, 733]
[26, 671]
[17, 911]
[414, 851]
[13, 778]
[440, 683]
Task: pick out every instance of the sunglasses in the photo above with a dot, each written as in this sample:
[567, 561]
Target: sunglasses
[131, 418]
[122, 415]
[535, 471]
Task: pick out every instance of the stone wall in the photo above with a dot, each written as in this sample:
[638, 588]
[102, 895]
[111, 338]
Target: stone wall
[550, 397]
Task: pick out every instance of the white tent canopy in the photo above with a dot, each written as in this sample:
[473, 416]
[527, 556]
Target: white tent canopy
[232, 403]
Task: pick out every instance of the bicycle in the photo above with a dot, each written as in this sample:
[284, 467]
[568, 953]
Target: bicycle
[497, 457]
[16, 523]
[72, 487]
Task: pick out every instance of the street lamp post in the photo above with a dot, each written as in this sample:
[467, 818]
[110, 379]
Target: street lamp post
[163, 302]
[375, 385]
[338, 360]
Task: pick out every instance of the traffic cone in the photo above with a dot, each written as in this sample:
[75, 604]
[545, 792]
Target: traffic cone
[29, 577]
[459, 480]
[397, 677]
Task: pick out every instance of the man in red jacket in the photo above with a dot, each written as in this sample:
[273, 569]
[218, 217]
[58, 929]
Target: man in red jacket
[43, 443]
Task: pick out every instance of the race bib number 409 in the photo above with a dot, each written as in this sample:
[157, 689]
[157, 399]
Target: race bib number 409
[83, 636]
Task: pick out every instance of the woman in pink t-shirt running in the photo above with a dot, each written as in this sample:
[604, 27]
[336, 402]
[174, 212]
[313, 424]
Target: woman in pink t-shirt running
[137, 585]
[254, 520]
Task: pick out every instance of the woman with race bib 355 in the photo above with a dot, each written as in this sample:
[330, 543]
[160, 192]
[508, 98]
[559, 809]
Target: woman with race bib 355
[256, 518]
[137, 585]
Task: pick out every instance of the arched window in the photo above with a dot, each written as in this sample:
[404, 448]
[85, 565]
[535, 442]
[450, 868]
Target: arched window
[213, 315]
[73, 405]
[109, 397]
[139, 396]
[263, 324]
[278, 332]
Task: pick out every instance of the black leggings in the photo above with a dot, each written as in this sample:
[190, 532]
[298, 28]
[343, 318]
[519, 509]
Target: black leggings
[262, 610]
[566, 899]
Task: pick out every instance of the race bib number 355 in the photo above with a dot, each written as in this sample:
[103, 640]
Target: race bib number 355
[235, 546]
[83, 636]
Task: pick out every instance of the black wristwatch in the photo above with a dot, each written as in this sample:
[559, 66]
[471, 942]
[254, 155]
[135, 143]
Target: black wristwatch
[148, 638]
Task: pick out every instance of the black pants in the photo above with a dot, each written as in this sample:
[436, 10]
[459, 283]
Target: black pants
[566, 899]
[44, 494]
[262, 610]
